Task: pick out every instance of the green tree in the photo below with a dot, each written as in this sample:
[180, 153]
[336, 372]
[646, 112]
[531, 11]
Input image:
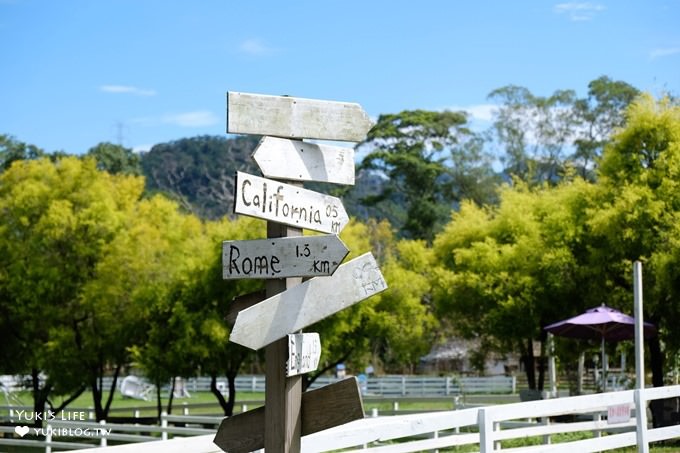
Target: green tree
[56, 221]
[12, 150]
[128, 297]
[637, 215]
[205, 299]
[598, 116]
[408, 150]
[116, 159]
[533, 131]
[506, 271]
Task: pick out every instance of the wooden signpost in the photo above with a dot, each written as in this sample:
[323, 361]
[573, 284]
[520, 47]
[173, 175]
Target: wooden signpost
[288, 204]
[325, 407]
[305, 304]
[302, 161]
[274, 318]
[304, 256]
[285, 116]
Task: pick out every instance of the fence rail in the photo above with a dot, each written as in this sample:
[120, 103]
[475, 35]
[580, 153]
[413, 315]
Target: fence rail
[485, 427]
[376, 385]
[382, 385]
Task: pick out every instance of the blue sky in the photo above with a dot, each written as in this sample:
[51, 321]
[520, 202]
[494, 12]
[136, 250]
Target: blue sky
[75, 73]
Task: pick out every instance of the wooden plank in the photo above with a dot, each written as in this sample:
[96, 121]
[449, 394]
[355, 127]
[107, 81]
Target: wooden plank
[241, 303]
[308, 303]
[301, 161]
[323, 408]
[288, 204]
[291, 117]
[308, 256]
[304, 352]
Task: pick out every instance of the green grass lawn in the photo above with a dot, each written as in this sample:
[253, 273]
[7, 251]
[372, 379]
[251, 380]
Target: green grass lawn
[122, 406]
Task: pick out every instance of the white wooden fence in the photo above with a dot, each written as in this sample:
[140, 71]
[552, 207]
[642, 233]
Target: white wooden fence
[374, 385]
[486, 428]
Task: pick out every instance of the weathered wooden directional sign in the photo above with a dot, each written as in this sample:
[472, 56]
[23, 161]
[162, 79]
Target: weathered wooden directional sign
[322, 408]
[307, 303]
[301, 161]
[285, 116]
[291, 205]
[304, 352]
[304, 256]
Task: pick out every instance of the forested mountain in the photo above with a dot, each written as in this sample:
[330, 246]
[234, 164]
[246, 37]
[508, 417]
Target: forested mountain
[199, 173]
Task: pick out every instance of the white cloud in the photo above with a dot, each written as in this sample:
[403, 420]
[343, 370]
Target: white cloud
[579, 11]
[483, 112]
[479, 112]
[141, 148]
[666, 52]
[199, 118]
[255, 47]
[127, 89]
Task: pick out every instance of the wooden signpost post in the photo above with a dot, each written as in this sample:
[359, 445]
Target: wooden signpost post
[288, 305]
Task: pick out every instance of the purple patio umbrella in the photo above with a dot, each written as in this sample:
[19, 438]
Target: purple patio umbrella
[600, 323]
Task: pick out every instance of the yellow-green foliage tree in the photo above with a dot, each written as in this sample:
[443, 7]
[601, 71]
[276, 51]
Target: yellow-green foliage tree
[187, 329]
[129, 296]
[506, 271]
[56, 221]
[638, 216]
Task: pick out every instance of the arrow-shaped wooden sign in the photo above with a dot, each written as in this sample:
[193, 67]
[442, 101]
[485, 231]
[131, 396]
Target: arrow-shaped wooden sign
[285, 116]
[302, 256]
[322, 408]
[301, 161]
[307, 303]
[284, 203]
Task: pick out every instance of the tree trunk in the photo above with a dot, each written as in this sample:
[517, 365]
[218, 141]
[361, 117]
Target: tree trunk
[96, 397]
[172, 395]
[159, 404]
[40, 395]
[112, 391]
[227, 408]
[530, 364]
[541, 367]
[67, 401]
[656, 363]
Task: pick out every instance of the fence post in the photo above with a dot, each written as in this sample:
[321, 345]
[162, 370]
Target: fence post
[641, 421]
[102, 433]
[185, 409]
[164, 426]
[374, 412]
[545, 421]
[596, 418]
[514, 384]
[48, 438]
[448, 385]
[403, 385]
[485, 424]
